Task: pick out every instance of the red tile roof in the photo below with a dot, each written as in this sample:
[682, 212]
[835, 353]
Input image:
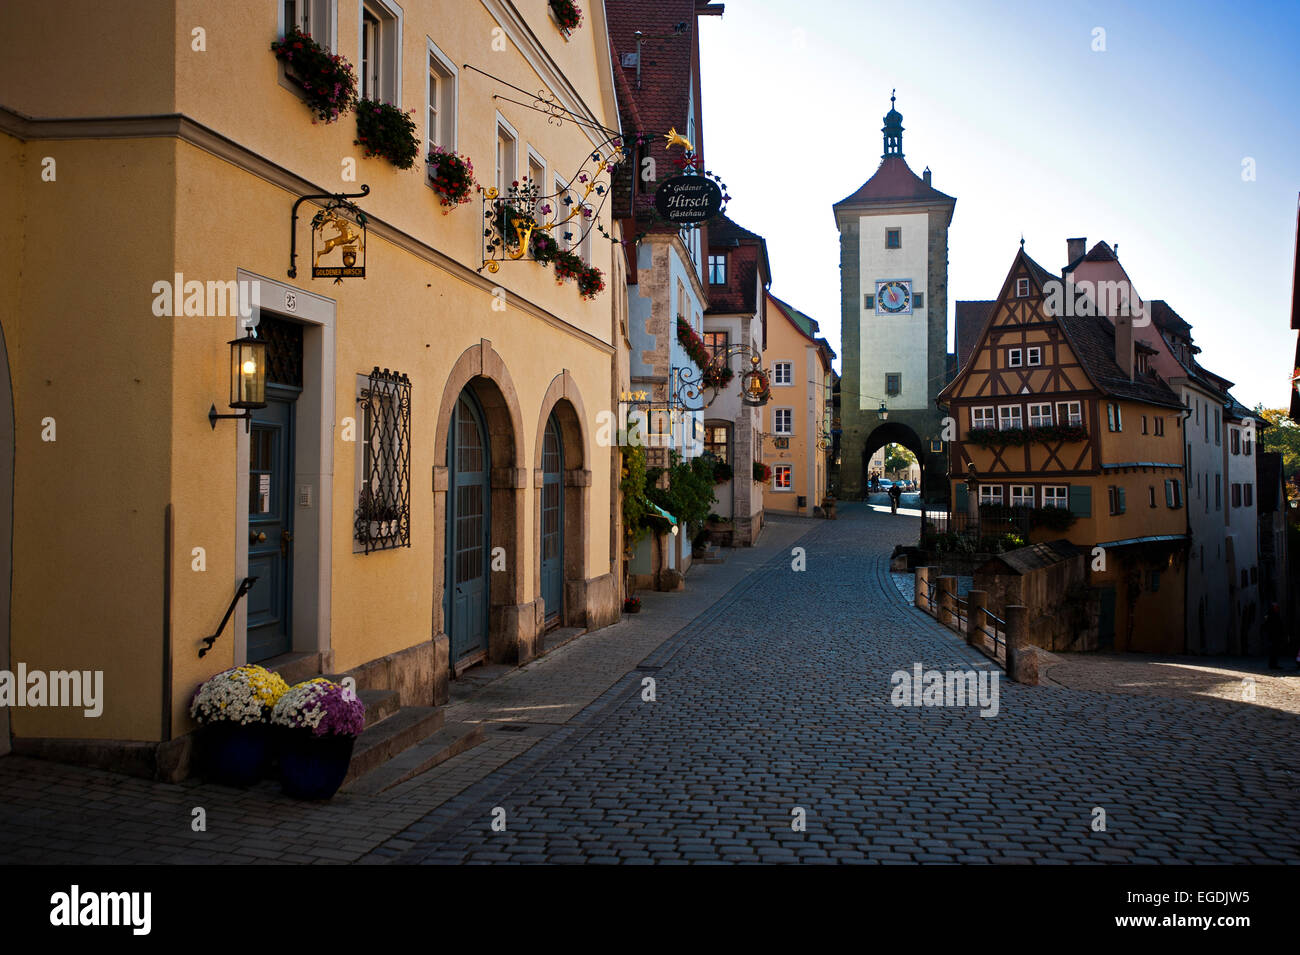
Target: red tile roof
[894, 181]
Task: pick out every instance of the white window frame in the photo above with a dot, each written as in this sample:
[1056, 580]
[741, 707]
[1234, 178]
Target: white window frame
[723, 273]
[448, 83]
[789, 476]
[318, 18]
[1022, 288]
[389, 15]
[1034, 355]
[776, 422]
[1036, 418]
[585, 227]
[503, 178]
[1004, 416]
[1022, 495]
[1073, 414]
[780, 378]
[533, 157]
[983, 417]
[1015, 358]
[990, 494]
[1056, 495]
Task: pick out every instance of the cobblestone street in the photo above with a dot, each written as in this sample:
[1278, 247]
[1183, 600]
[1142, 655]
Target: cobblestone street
[779, 698]
[773, 698]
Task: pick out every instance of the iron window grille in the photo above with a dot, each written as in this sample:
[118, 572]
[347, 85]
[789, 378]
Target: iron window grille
[383, 515]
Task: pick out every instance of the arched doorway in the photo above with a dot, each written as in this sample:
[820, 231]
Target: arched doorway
[562, 487]
[552, 552]
[469, 547]
[894, 432]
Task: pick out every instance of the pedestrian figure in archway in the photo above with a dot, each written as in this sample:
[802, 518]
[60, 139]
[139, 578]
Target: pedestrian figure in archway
[895, 494]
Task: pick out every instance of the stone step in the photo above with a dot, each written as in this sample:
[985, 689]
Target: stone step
[451, 740]
[381, 742]
[294, 667]
[554, 639]
[380, 704]
[712, 555]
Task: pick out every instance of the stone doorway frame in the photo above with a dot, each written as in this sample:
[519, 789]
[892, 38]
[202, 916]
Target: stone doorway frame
[313, 464]
[565, 400]
[514, 626]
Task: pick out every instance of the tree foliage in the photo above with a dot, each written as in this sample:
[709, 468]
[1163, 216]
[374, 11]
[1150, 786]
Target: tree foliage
[1283, 436]
[898, 458]
[635, 502]
[689, 493]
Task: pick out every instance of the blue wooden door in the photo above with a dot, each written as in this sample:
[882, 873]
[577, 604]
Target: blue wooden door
[552, 556]
[466, 594]
[270, 525]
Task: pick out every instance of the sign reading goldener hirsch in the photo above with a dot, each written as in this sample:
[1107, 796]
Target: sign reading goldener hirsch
[686, 200]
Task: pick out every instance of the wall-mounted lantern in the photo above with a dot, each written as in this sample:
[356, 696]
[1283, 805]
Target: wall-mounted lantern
[247, 379]
[883, 412]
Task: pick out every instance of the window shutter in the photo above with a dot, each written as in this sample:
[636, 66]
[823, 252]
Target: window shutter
[962, 497]
[1080, 500]
[1122, 505]
[1169, 493]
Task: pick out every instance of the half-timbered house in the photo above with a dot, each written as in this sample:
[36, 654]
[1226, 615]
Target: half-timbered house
[1054, 408]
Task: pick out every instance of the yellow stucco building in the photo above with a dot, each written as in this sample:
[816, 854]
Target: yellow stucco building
[154, 147]
[797, 419]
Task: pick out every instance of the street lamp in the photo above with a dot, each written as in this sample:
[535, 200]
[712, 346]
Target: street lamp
[247, 379]
[883, 412]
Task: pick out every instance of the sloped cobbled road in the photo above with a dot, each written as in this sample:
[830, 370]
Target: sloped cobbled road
[778, 699]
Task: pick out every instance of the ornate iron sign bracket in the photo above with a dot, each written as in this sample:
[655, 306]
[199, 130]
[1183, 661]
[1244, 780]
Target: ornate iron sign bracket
[338, 200]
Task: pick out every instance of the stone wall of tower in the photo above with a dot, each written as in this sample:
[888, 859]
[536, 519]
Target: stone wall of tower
[852, 418]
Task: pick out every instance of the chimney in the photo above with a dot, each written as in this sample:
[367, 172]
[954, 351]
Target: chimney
[926, 175]
[1124, 344]
[1075, 249]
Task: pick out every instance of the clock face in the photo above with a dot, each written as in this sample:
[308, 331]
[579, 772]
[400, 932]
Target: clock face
[894, 297]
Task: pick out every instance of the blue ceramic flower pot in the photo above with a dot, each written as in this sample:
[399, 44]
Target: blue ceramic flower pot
[313, 767]
[232, 754]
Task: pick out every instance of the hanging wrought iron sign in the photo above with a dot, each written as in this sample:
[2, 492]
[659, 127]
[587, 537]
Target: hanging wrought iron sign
[755, 388]
[688, 199]
[338, 237]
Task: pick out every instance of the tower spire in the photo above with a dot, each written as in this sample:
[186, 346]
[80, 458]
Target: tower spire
[893, 129]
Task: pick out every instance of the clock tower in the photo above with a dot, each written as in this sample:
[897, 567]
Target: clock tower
[894, 314]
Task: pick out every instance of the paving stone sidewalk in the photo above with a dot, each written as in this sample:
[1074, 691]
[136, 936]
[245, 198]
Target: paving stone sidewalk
[52, 813]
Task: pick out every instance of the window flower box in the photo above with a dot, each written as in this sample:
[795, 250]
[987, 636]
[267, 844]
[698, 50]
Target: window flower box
[1018, 437]
[452, 177]
[567, 15]
[327, 80]
[387, 131]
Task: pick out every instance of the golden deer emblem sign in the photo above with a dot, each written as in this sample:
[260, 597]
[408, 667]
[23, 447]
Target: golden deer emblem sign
[346, 238]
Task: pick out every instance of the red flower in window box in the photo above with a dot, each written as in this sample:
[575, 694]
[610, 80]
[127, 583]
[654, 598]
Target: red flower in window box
[567, 14]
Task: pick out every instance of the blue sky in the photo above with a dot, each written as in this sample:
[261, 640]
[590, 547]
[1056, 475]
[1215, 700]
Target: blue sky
[1033, 132]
